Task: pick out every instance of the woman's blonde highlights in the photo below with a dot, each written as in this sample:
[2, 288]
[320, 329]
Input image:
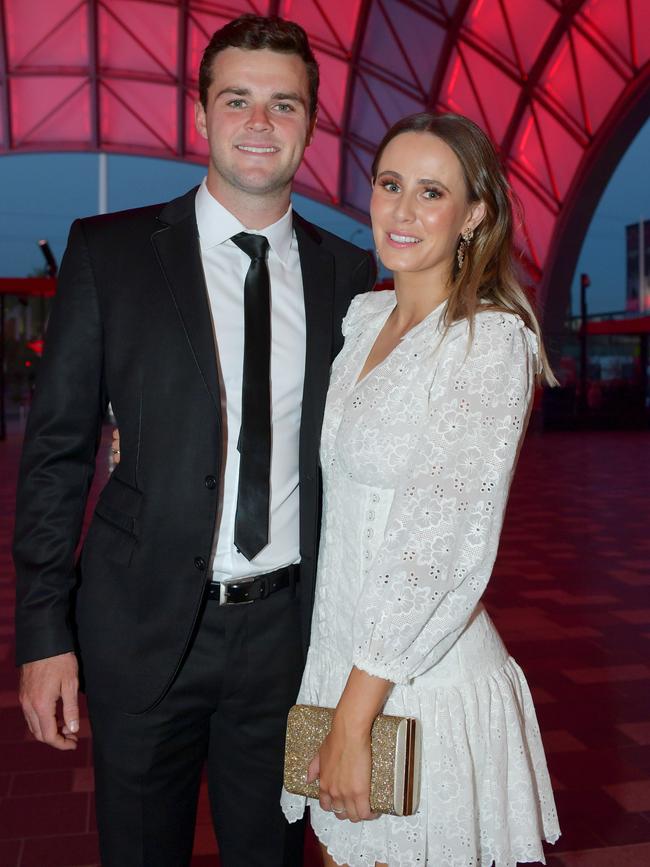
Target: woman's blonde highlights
[487, 273]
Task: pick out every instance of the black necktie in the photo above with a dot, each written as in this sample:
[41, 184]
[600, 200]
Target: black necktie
[252, 516]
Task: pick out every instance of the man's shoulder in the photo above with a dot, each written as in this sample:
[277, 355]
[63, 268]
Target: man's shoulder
[328, 240]
[122, 221]
[145, 218]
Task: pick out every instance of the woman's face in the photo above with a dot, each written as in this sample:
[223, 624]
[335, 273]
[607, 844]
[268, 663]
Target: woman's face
[419, 205]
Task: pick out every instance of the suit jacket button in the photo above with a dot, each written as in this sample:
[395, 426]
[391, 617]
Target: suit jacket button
[210, 482]
[200, 564]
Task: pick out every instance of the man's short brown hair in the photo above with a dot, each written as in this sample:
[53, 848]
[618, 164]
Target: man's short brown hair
[254, 32]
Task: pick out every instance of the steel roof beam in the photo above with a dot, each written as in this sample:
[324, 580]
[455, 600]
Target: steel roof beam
[93, 74]
[530, 85]
[362, 20]
[181, 76]
[5, 95]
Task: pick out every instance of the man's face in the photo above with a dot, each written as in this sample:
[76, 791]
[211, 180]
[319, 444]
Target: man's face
[256, 122]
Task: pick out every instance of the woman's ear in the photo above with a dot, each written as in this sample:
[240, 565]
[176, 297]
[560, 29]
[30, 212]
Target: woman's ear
[476, 215]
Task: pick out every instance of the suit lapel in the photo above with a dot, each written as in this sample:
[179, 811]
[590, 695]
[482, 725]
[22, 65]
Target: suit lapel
[317, 267]
[177, 248]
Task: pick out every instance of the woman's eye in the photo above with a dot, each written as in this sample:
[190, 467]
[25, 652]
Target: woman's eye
[390, 186]
[432, 194]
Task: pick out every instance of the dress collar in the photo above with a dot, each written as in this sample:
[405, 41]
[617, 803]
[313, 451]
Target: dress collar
[432, 319]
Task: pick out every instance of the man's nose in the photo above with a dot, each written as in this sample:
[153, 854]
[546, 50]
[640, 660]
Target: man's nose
[259, 118]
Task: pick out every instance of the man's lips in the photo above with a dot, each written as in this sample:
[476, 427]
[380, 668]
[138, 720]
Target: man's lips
[257, 149]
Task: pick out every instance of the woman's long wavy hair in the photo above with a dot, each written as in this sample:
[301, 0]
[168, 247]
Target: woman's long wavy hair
[488, 272]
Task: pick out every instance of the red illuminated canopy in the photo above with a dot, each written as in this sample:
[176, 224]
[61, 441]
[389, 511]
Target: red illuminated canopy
[550, 80]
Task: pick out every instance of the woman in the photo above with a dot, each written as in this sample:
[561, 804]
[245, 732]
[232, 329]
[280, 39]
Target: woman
[426, 410]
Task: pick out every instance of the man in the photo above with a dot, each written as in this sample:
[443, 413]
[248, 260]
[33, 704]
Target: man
[164, 312]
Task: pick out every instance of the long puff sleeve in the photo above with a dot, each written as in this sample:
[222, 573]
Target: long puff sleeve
[443, 528]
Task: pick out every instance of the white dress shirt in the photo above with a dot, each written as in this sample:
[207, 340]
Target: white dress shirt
[225, 267]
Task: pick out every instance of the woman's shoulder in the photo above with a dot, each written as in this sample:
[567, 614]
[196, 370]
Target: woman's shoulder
[496, 329]
[502, 324]
[365, 308]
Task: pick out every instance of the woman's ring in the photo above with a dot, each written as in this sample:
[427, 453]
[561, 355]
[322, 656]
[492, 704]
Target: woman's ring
[342, 810]
[115, 451]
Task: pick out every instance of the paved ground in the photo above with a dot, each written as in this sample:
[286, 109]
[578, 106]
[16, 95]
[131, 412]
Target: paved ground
[571, 596]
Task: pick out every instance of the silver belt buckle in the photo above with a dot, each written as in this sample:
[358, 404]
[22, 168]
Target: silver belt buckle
[223, 588]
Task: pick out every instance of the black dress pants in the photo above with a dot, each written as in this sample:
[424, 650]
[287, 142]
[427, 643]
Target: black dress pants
[228, 706]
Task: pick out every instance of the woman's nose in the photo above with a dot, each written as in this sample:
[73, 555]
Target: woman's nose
[404, 209]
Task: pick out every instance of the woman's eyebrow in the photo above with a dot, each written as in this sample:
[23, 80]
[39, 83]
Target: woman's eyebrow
[429, 181]
[422, 181]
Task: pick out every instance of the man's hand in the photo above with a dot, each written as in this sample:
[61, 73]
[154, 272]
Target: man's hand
[115, 446]
[42, 684]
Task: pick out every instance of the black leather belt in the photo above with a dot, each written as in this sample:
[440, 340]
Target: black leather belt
[245, 590]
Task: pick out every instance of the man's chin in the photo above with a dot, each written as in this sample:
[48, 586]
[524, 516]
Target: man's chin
[262, 185]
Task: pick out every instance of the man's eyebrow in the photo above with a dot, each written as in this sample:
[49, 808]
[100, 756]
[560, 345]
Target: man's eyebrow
[290, 95]
[237, 91]
[281, 95]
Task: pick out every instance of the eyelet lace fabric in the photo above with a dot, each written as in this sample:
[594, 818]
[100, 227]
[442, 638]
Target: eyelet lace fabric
[417, 461]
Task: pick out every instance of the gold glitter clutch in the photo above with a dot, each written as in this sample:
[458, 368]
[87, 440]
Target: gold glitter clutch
[395, 745]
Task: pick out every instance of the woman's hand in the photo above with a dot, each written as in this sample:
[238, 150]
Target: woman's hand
[343, 769]
[344, 762]
[115, 446]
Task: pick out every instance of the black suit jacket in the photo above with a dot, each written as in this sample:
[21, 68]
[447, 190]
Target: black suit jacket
[131, 324]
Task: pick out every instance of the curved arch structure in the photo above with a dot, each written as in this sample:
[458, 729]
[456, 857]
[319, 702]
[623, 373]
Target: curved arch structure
[560, 85]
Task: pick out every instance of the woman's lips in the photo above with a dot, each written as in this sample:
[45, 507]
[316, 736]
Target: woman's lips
[401, 241]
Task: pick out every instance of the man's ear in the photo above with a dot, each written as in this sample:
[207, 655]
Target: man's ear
[312, 127]
[200, 120]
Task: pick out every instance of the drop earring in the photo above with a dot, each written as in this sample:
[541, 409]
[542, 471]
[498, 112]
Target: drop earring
[465, 237]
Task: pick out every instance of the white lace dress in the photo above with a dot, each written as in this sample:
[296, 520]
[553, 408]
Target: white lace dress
[417, 461]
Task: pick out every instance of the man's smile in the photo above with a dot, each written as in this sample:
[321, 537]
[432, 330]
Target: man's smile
[258, 149]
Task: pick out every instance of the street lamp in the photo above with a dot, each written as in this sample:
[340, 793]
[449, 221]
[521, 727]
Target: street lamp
[585, 283]
[48, 255]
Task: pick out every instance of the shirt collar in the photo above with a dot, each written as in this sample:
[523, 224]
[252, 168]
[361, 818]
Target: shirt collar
[217, 225]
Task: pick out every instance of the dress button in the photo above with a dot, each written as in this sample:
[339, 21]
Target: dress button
[210, 482]
[200, 564]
